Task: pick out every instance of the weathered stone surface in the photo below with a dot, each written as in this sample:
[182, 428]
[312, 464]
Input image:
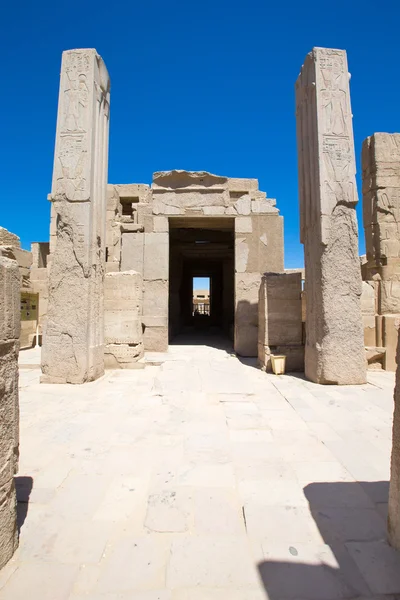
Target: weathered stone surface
[155, 339]
[123, 302]
[156, 256]
[246, 313]
[394, 489]
[381, 205]
[9, 239]
[132, 252]
[73, 345]
[9, 422]
[334, 350]
[280, 320]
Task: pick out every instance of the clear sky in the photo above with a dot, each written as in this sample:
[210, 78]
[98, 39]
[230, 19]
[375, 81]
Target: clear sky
[194, 85]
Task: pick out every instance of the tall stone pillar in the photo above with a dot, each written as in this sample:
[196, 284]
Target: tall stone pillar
[381, 214]
[73, 348]
[334, 351]
[9, 422]
[394, 489]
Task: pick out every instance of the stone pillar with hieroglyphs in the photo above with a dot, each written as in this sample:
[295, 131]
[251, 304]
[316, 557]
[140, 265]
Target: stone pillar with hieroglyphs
[73, 345]
[394, 488]
[334, 351]
[9, 422]
[381, 214]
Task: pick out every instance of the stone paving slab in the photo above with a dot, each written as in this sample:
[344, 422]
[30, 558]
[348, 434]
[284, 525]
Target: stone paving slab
[202, 478]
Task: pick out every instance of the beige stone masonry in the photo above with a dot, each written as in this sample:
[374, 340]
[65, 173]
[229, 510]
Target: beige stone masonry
[334, 350]
[381, 215]
[279, 320]
[73, 345]
[123, 304]
[9, 422]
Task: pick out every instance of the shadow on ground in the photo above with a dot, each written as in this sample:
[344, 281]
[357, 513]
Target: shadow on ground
[23, 487]
[354, 559]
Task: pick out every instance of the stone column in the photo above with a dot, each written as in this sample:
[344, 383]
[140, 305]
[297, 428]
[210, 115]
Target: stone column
[381, 214]
[394, 489]
[73, 346]
[334, 350]
[9, 422]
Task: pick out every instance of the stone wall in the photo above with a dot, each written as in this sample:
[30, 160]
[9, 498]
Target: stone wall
[123, 305]
[73, 343]
[280, 320]
[10, 247]
[39, 279]
[381, 269]
[138, 220]
[9, 422]
[334, 351]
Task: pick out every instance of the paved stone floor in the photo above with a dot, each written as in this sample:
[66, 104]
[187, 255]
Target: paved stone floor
[202, 479]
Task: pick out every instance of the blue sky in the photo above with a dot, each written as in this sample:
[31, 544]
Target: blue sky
[195, 85]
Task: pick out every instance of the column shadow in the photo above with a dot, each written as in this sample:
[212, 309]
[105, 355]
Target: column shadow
[352, 560]
[23, 487]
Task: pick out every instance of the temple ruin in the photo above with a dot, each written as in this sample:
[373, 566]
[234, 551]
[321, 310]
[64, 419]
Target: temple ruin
[115, 280]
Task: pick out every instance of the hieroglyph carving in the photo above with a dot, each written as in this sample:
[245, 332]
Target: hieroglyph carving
[72, 168]
[328, 196]
[74, 338]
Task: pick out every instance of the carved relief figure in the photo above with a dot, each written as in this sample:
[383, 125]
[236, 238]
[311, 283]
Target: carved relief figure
[339, 172]
[72, 158]
[333, 95]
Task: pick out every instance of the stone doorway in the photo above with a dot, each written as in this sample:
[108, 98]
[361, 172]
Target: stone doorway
[201, 247]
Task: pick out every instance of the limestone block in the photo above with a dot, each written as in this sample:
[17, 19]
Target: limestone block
[160, 208]
[246, 313]
[123, 291]
[262, 249]
[132, 252]
[390, 328]
[241, 254]
[263, 206]
[243, 225]
[155, 300]
[155, 339]
[334, 352]
[368, 298]
[154, 321]
[156, 256]
[73, 343]
[180, 179]
[279, 314]
[394, 489]
[139, 191]
[381, 202]
[243, 205]
[214, 210]
[124, 356]
[123, 303]
[112, 199]
[389, 297]
[9, 239]
[23, 257]
[369, 330]
[122, 327]
[160, 225]
[185, 200]
[242, 185]
[9, 422]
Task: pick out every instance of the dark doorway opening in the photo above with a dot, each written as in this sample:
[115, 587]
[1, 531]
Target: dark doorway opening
[201, 249]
